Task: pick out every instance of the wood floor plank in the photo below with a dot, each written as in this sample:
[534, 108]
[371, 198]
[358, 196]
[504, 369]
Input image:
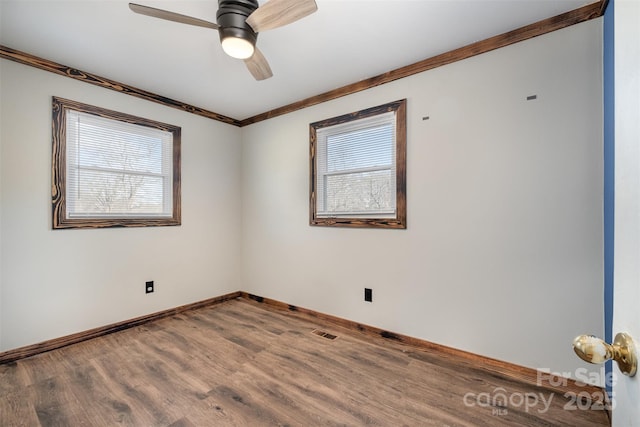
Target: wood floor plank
[16, 409]
[239, 364]
[10, 378]
[318, 398]
[56, 405]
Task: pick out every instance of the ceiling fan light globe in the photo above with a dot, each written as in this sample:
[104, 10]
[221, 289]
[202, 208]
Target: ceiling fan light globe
[237, 47]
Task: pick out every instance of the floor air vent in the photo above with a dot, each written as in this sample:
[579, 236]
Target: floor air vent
[324, 334]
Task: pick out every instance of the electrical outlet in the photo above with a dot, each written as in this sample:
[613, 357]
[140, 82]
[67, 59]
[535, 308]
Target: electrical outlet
[148, 287]
[368, 294]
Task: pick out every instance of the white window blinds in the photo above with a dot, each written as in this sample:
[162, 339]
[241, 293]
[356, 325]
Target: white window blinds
[117, 169]
[356, 168]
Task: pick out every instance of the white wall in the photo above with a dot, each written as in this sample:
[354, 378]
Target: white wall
[503, 252]
[57, 282]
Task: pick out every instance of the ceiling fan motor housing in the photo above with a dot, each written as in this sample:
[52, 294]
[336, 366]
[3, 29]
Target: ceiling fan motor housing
[232, 16]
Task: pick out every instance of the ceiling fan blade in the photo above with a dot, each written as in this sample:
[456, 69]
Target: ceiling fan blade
[276, 13]
[258, 66]
[171, 16]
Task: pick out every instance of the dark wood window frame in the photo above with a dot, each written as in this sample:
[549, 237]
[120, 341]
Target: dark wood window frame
[399, 221]
[60, 219]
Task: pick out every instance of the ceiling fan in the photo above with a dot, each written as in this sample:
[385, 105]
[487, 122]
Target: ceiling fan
[238, 24]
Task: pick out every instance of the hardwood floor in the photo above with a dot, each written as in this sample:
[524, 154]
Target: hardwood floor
[241, 364]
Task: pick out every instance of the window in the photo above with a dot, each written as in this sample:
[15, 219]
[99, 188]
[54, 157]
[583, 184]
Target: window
[358, 168]
[112, 169]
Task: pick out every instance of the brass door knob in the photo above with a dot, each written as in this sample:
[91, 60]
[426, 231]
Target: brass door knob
[594, 350]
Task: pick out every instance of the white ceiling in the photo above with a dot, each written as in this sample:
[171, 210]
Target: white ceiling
[345, 41]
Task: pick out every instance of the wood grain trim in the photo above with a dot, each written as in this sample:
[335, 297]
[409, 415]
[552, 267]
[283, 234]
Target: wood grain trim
[400, 220]
[539, 28]
[60, 219]
[63, 70]
[32, 350]
[526, 375]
